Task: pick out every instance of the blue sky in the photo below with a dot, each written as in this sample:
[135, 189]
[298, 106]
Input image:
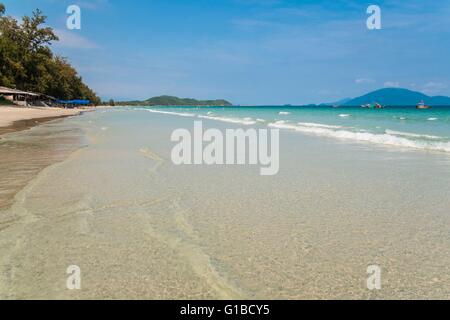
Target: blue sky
[252, 51]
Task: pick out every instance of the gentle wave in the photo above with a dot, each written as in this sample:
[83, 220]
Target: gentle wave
[284, 113]
[318, 125]
[413, 135]
[384, 139]
[343, 115]
[171, 112]
[245, 121]
[432, 119]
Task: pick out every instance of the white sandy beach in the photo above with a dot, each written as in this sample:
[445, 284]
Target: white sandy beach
[8, 115]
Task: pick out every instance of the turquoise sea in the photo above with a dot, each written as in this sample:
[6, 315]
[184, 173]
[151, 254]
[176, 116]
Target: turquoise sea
[402, 127]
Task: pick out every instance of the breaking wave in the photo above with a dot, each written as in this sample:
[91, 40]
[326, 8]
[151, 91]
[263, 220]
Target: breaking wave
[245, 121]
[318, 125]
[390, 139]
[171, 112]
[412, 135]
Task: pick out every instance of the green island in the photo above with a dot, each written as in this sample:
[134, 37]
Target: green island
[174, 101]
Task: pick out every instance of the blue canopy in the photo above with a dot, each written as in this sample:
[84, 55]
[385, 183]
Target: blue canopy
[80, 102]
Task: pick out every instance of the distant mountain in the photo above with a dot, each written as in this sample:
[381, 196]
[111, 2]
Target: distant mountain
[175, 101]
[398, 97]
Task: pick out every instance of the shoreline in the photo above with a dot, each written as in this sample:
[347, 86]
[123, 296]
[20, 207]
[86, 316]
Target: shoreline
[24, 155]
[50, 151]
[10, 114]
[14, 119]
[25, 124]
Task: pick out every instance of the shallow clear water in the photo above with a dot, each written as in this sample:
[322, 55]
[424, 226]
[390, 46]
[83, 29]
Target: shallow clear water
[140, 227]
[24, 154]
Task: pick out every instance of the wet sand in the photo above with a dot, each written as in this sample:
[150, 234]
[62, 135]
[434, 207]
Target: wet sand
[9, 115]
[26, 149]
[25, 124]
[23, 156]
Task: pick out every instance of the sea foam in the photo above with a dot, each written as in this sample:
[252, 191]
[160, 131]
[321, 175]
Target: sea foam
[318, 125]
[245, 121]
[413, 135]
[384, 139]
[182, 114]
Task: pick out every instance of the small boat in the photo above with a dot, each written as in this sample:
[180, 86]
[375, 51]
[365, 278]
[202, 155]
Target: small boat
[422, 105]
[372, 106]
[378, 106]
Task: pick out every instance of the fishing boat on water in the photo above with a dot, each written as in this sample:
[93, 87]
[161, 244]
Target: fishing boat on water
[375, 105]
[422, 105]
[378, 106]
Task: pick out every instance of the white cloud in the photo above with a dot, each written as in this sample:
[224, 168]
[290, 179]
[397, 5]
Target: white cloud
[392, 84]
[71, 39]
[434, 87]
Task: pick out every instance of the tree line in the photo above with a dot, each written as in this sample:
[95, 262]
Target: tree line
[27, 62]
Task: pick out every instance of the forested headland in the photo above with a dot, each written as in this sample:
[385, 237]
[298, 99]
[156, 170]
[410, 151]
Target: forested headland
[28, 63]
[175, 101]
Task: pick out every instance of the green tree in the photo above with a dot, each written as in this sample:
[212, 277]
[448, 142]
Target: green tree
[37, 38]
[27, 62]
